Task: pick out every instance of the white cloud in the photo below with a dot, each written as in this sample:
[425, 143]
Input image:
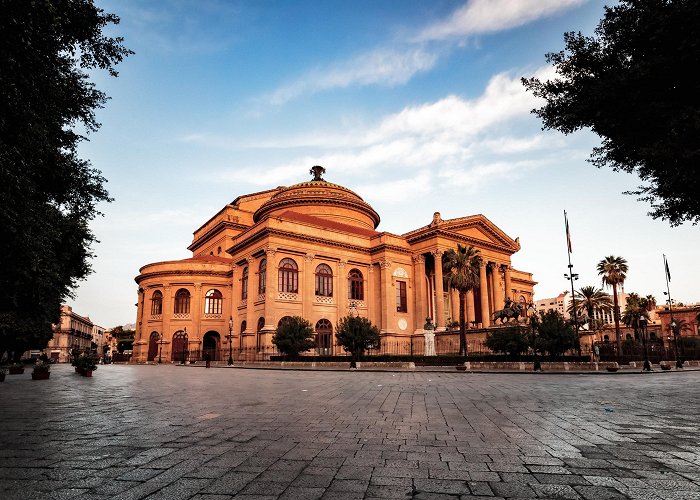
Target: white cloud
[488, 16]
[445, 136]
[387, 67]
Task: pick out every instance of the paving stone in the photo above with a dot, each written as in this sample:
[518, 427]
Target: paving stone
[254, 434]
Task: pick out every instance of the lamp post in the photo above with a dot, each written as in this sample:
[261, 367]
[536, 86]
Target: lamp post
[536, 366]
[184, 345]
[679, 358]
[160, 348]
[230, 340]
[643, 329]
[571, 277]
[352, 309]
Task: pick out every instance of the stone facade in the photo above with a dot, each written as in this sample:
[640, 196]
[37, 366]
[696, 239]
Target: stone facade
[312, 250]
[72, 332]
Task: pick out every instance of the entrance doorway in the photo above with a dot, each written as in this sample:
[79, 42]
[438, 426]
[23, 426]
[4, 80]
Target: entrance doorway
[179, 351]
[153, 346]
[211, 345]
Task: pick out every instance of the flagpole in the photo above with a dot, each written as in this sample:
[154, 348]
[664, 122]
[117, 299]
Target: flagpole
[667, 275]
[571, 276]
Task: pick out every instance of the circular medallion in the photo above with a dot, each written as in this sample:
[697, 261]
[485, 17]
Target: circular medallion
[403, 324]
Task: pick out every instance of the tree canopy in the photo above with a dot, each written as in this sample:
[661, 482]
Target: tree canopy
[294, 335]
[48, 194]
[356, 335]
[511, 340]
[554, 334]
[631, 85]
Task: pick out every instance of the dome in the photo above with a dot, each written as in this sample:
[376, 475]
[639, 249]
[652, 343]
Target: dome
[322, 199]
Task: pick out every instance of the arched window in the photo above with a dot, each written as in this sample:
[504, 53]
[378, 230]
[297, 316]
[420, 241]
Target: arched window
[262, 276]
[523, 306]
[182, 301]
[153, 346]
[357, 285]
[282, 320]
[157, 303]
[179, 347]
[259, 333]
[324, 336]
[324, 280]
[244, 284]
[213, 302]
[288, 276]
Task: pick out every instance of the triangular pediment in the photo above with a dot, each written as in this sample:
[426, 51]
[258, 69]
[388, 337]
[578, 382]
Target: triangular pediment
[474, 228]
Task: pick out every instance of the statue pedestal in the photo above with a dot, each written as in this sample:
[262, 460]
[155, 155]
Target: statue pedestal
[429, 343]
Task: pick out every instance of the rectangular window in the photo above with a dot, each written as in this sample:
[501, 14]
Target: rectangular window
[401, 300]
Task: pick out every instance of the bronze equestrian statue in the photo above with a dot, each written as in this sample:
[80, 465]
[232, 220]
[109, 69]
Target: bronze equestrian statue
[511, 310]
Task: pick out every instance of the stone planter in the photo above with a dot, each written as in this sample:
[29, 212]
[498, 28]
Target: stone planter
[461, 368]
[41, 376]
[665, 366]
[16, 370]
[86, 373]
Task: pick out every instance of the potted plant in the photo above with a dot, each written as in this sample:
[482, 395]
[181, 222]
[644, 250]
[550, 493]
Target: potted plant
[42, 370]
[3, 372]
[86, 364]
[17, 369]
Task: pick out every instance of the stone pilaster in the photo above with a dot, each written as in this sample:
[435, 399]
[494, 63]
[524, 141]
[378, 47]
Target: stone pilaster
[307, 290]
[251, 323]
[388, 295]
[340, 289]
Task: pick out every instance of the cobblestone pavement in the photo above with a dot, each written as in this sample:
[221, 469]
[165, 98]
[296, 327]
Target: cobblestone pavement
[169, 432]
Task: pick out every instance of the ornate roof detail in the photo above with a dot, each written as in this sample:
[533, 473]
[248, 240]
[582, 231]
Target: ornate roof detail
[316, 192]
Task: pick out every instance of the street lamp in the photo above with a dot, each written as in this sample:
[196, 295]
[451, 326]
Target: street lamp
[643, 329]
[679, 358]
[230, 340]
[571, 277]
[353, 308]
[536, 366]
[184, 345]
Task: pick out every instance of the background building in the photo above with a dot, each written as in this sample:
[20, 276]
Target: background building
[72, 332]
[313, 250]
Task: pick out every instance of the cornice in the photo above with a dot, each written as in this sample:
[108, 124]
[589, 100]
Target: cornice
[138, 279]
[216, 228]
[278, 202]
[267, 231]
[435, 232]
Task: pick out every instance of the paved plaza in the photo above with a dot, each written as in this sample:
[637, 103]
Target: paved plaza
[171, 432]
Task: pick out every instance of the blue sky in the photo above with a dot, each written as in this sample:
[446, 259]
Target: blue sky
[415, 105]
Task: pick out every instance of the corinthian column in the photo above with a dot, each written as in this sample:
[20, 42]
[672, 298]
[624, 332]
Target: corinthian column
[484, 295]
[439, 292]
[419, 291]
[509, 291]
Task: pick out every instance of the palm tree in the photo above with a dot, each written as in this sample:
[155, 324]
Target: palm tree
[613, 271]
[590, 298]
[461, 269]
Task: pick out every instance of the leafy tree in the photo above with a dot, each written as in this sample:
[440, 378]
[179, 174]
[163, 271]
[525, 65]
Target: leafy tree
[630, 84]
[356, 335]
[636, 312]
[554, 334]
[48, 195]
[613, 271]
[294, 335]
[461, 269]
[511, 340]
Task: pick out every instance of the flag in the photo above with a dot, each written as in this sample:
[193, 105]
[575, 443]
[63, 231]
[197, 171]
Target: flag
[568, 235]
[668, 273]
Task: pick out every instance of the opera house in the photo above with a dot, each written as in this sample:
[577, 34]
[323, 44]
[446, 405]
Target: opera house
[313, 250]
